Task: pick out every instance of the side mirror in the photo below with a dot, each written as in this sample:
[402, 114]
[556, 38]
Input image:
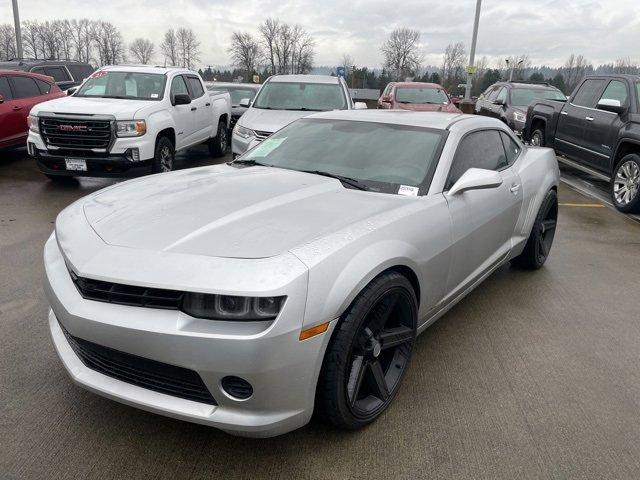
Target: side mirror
[476, 179]
[72, 90]
[610, 105]
[181, 99]
[245, 102]
[1, 99]
[360, 106]
[498, 101]
[385, 98]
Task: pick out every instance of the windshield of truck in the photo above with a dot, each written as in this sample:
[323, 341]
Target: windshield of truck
[301, 96]
[125, 85]
[522, 97]
[236, 93]
[421, 95]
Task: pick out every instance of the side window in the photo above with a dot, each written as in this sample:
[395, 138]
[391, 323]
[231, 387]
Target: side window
[481, 149]
[502, 95]
[196, 87]
[587, 94]
[178, 87]
[79, 71]
[616, 90]
[44, 87]
[493, 94]
[59, 74]
[39, 70]
[5, 90]
[25, 87]
[511, 148]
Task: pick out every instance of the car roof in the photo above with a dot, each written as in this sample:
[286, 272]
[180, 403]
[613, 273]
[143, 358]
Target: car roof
[27, 74]
[305, 79]
[31, 62]
[145, 69]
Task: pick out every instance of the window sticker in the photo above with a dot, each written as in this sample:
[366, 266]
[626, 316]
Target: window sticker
[266, 147]
[98, 74]
[154, 95]
[408, 191]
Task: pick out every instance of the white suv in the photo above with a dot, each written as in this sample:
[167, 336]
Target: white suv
[285, 98]
[127, 121]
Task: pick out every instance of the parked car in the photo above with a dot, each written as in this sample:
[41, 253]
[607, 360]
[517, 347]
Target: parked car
[598, 130]
[508, 101]
[240, 93]
[66, 73]
[19, 91]
[244, 295]
[126, 121]
[417, 96]
[285, 98]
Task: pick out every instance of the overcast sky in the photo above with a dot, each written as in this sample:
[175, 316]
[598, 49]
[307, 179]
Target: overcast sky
[547, 30]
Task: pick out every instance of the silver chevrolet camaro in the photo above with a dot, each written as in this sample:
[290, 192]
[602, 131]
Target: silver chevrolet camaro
[247, 295]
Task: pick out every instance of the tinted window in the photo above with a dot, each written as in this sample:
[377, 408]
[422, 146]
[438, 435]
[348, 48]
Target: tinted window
[587, 94]
[511, 148]
[80, 72]
[39, 70]
[493, 94]
[43, 86]
[59, 74]
[421, 95]
[482, 149]
[237, 93]
[178, 87]
[196, 87]
[502, 95]
[301, 96]
[5, 91]
[25, 87]
[522, 97]
[616, 90]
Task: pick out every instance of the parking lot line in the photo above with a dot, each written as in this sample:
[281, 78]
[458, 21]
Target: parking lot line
[584, 205]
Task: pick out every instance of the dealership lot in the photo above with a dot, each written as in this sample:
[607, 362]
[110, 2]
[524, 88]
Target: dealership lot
[534, 375]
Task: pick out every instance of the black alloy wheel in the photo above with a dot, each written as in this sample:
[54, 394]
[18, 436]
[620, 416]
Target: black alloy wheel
[538, 246]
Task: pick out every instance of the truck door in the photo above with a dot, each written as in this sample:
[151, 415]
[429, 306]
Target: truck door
[184, 115]
[204, 112]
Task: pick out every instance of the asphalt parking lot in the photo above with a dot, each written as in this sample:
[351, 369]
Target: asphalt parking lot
[534, 375]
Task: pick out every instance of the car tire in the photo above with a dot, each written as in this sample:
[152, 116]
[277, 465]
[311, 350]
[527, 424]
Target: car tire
[537, 138]
[219, 144]
[625, 184]
[164, 156]
[538, 246]
[368, 354]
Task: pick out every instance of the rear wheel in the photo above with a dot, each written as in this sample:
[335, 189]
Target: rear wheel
[539, 243]
[625, 184]
[218, 145]
[537, 138]
[164, 157]
[369, 353]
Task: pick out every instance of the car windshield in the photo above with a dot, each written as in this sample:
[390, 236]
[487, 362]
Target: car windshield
[237, 93]
[301, 96]
[380, 156]
[127, 85]
[421, 95]
[522, 97]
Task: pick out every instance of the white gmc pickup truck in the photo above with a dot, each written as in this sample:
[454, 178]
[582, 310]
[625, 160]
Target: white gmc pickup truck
[126, 121]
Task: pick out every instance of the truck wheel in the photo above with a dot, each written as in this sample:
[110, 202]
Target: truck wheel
[625, 184]
[537, 138]
[164, 157]
[218, 145]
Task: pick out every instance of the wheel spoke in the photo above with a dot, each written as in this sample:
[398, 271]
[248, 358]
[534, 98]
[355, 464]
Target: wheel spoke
[542, 246]
[358, 370]
[548, 225]
[380, 383]
[393, 337]
[382, 313]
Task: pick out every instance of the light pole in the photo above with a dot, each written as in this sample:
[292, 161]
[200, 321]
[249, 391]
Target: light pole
[513, 67]
[471, 69]
[16, 21]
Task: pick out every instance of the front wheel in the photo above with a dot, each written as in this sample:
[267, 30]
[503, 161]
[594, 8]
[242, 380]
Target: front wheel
[369, 353]
[625, 184]
[164, 156]
[540, 239]
[218, 145]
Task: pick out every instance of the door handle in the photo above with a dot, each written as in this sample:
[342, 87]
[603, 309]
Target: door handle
[193, 109]
[589, 119]
[207, 104]
[515, 188]
[564, 113]
[16, 108]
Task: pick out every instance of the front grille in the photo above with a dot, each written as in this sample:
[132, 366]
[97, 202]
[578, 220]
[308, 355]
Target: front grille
[261, 135]
[127, 294]
[142, 372]
[76, 134]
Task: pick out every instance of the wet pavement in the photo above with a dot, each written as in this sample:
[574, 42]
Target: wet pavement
[533, 375]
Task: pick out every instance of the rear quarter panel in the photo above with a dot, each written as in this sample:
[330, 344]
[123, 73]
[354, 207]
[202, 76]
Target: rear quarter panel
[548, 113]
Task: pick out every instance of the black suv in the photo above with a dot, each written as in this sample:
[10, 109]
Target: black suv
[66, 73]
[508, 101]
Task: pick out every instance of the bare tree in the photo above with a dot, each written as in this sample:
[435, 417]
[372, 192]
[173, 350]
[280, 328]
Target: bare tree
[625, 66]
[347, 62]
[142, 50]
[402, 55]
[7, 42]
[245, 52]
[82, 33]
[302, 50]
[269, 33]
[109, 43]
[169, 47]
[188, 47]
[574, 69]
[287, 48]
[453, 65]
[31, 39]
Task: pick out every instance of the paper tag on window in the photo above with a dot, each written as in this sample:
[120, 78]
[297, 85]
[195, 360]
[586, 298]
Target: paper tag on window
[408, 191]
[154, 95]
[266, 147]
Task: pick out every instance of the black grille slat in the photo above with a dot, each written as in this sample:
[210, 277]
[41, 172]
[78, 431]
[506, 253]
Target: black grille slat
[96, 134]
[143, 372]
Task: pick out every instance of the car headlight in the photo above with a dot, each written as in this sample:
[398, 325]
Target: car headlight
[519, 117]
[34, 125]
[231, 307]
[131, 128]
[243, 132]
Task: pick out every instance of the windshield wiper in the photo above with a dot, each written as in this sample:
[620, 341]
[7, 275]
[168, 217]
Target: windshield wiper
[352, 182]
[248, 162]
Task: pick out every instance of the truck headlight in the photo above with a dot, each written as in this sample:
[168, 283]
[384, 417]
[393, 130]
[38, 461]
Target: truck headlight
[519, 117]
[230, 307]
[131, 128]
[243, 132]
[34, 125]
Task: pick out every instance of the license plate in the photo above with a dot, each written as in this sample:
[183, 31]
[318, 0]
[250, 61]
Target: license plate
[76, 164]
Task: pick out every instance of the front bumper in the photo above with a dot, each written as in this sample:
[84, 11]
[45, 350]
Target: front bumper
[282, 370]
[239, 145]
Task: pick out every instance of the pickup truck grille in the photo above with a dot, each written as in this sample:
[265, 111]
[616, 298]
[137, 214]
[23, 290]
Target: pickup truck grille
[76, 134]
[261, 135]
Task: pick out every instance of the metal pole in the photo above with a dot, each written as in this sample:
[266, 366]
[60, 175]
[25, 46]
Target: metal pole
[16, 21]
[472, 56]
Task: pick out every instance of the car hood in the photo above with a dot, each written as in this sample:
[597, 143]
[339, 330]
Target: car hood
[120, 109]
[224, 211]
[270, 120]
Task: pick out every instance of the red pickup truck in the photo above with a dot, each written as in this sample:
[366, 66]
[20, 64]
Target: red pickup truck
[19, 91]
